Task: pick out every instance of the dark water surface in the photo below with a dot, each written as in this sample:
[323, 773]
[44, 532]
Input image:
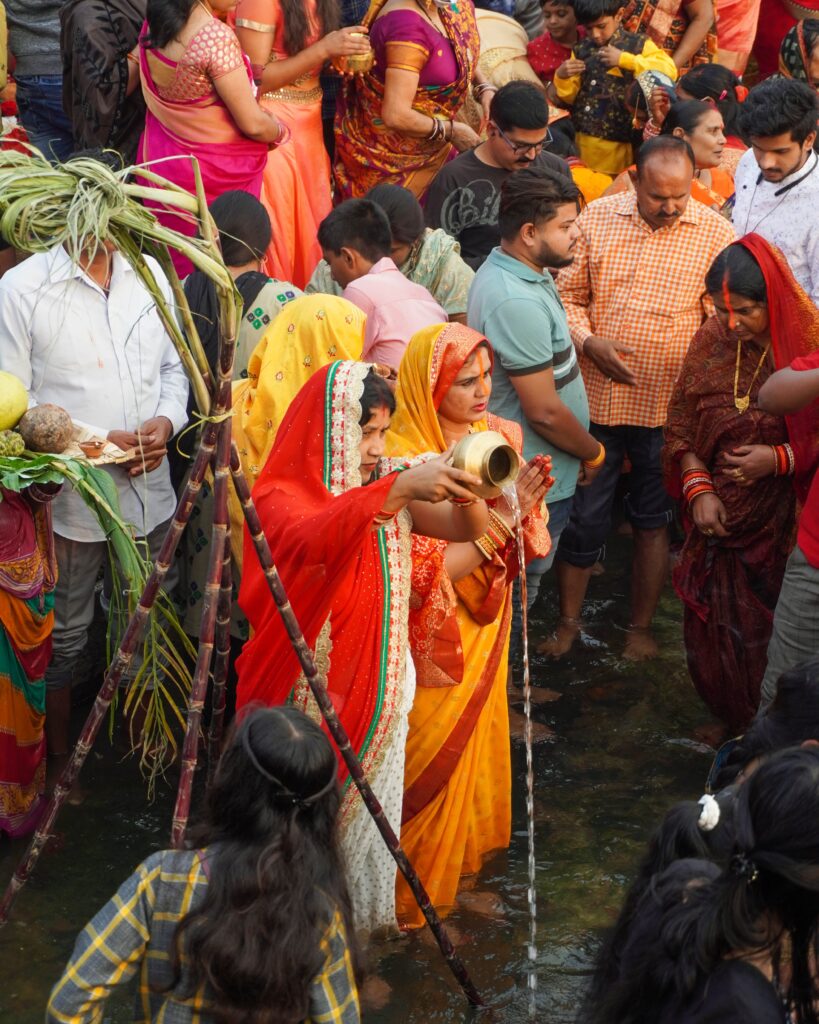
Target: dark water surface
[624, 749]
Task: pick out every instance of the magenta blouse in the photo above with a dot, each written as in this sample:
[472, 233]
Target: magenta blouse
[403, 39]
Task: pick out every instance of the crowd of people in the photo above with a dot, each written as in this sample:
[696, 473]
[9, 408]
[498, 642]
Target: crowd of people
[609, 255]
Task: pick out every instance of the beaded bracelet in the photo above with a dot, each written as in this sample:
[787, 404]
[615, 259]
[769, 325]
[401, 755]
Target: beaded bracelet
[696, 482]
[784, 462]
[598, 460]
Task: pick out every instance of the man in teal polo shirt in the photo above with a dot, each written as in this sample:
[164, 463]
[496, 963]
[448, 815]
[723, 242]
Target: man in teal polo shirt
[536, 379]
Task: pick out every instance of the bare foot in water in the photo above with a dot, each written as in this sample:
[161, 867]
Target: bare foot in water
[640, 644]
[374, 993]
[487, 904]
[517, 725]
[55, 764]
[562, 640]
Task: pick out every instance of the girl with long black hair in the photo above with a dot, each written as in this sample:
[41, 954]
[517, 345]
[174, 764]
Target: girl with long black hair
[249, 925]
[740, 949]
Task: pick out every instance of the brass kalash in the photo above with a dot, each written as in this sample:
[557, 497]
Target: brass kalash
[488, 455]
[355, 63]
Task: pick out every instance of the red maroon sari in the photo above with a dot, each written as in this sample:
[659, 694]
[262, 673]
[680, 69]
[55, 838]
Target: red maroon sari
[730, 585]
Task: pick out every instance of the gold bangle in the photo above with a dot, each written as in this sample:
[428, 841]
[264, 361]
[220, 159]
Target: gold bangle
[500, 524]
[598, 460]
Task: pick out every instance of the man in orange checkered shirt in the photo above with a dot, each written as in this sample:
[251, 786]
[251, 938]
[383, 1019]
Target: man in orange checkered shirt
[634, 297]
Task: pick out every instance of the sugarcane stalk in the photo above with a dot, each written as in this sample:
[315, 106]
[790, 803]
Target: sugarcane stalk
[318, 686]
[221, 661]
[204, 656]
[119, 665]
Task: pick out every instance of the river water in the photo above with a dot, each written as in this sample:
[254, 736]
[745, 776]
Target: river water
[624, 748]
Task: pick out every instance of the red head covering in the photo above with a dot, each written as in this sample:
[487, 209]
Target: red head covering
[794, 327]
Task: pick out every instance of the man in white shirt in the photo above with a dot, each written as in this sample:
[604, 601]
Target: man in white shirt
[777, 180]
[87, 336]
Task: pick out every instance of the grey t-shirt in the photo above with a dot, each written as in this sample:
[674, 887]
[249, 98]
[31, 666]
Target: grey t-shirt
[34, 36]
[464, 199]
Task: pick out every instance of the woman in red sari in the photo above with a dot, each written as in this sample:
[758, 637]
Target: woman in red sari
[398, 122]
[458, 798]
[197, 86]
[732, 464]
[338, 521]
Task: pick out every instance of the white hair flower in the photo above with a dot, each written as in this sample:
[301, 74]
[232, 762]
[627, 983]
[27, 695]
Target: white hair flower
[709, 816]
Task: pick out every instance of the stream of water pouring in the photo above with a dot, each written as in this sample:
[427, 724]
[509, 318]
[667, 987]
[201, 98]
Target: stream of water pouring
[511, 496]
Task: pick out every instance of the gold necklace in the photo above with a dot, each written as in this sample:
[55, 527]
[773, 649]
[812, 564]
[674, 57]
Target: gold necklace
[743, 402]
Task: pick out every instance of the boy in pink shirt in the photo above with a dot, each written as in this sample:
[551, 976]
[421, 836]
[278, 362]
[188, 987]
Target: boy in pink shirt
[356, 243]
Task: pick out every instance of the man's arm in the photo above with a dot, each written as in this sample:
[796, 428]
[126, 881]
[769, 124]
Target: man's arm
[788, 391]
[438, 191]
[574, 285]
[548, 416]
[15, 336]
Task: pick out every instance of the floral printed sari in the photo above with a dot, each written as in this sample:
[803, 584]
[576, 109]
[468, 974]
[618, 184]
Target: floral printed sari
[367, 151]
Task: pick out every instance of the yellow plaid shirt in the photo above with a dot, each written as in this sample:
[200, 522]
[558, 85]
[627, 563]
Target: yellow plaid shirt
[645, 289]
[134, 931]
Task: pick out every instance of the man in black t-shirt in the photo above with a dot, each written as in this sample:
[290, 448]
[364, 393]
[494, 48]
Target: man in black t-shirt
[464, 197]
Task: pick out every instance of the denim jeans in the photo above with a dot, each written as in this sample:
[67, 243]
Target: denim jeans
[40, 105]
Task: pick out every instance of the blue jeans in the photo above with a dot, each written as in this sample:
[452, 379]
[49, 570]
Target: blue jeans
[40, 105]
[559, 512]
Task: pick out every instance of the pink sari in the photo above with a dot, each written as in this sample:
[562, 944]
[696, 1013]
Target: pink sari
[227, 160]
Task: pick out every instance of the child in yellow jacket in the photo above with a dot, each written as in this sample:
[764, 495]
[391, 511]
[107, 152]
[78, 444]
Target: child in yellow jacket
[594, 80]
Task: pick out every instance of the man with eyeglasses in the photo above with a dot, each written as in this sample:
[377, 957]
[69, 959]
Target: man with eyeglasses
[464, 198]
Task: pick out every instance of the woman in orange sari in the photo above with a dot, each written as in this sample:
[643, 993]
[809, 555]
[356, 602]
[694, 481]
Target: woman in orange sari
[197, 88]
[287, 42]
[397, 122]
[457, 798]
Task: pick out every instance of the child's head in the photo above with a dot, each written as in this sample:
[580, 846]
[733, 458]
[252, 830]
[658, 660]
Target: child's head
[354, 236]
[600, 18]
[559, 20]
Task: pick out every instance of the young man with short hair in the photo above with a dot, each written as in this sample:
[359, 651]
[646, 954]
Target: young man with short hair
[777, 180]
[514, 302]
[356, 240]
[464, 197]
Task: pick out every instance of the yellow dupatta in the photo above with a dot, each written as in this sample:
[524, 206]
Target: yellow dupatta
[309, 333]
[457, 796]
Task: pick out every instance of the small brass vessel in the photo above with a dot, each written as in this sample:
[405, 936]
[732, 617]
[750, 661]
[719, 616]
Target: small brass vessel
[355, 63]
[488, 455]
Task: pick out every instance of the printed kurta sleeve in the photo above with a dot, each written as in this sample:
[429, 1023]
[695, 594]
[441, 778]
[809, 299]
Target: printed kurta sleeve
[574, 285]
[452, 288]
[651, 59]
[567, 88]
[333, 992]
[108, 951]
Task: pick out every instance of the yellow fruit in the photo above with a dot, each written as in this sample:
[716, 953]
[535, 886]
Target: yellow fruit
[13, 400]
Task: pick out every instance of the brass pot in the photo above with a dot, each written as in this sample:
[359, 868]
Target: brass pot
[487, 455]
[355, 63]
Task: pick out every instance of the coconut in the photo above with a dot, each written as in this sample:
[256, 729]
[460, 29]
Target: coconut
[13, 400]
[47, 428]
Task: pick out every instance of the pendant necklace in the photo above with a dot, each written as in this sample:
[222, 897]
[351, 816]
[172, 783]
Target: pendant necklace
[742, 402]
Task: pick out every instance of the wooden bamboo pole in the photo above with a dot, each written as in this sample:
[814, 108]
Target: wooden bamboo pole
[207, 626]
[117, 668]
[318, 686]
[221, 662]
